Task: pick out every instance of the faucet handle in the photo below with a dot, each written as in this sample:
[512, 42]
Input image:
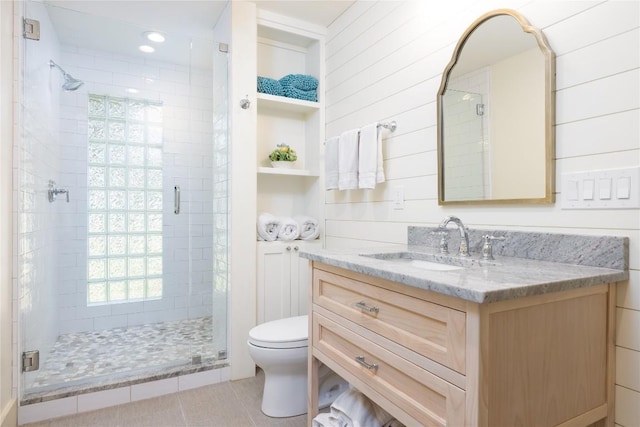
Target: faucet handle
[444, 240]
[487, 248]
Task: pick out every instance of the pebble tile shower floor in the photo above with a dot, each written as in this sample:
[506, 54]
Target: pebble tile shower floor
[81, 356]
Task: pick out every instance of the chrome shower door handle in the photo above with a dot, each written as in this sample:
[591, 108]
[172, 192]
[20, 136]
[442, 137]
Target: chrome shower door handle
[176, 199]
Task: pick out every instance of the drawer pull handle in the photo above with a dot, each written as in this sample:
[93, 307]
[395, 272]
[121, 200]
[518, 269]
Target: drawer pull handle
[364, 307]
[369, 366]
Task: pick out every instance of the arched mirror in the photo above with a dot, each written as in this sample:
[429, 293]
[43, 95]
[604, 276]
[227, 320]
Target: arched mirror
[496, 112]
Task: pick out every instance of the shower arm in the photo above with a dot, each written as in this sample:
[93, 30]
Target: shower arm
[53, 64]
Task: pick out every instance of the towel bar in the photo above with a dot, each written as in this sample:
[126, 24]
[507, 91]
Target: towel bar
[392, 126]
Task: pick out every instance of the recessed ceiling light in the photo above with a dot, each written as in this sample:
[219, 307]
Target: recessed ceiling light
[154, 36]
[146, 49]
[132, 90]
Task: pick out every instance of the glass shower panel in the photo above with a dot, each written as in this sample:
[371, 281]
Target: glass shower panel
[465, 151]
[220, 193]
[119, 282]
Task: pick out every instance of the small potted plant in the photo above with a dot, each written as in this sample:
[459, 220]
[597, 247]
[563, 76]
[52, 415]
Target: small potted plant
[283, 156]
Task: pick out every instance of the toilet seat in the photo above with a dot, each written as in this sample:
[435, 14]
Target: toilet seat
[292, 332]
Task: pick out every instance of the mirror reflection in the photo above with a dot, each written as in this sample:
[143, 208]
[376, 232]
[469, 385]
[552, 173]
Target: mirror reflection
[495, 115]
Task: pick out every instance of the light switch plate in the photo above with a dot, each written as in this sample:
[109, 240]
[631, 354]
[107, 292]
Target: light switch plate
[601, 189]
[398, 197]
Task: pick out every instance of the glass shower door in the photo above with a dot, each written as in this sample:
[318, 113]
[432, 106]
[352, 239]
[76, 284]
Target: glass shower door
[126, 279]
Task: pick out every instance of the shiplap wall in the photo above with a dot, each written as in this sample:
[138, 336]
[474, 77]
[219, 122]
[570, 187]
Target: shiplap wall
[384, 62]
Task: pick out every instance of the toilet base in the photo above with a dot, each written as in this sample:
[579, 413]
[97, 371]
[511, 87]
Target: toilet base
[277, 404]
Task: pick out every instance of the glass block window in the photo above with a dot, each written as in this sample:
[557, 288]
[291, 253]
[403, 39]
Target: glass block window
[124, 200]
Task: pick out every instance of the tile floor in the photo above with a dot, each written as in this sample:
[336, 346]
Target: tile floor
[232, 404]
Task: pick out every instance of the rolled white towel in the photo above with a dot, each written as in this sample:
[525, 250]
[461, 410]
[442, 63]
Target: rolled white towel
[289, 229]
[309, 228]
[268, 227]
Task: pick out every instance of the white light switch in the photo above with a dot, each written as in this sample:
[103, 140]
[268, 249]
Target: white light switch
[572, 190]
[398, 197]
[587, 189]
[623, 187]
[604, 188]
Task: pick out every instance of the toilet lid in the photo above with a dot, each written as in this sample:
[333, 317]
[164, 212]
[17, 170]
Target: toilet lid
[291, 332]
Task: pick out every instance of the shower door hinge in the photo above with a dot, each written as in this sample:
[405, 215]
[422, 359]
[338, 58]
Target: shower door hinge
[31, 29]
[30, 361]
[480, 109]
[222, 354]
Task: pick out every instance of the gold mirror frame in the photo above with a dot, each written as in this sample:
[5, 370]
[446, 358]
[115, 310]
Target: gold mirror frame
[550, 75]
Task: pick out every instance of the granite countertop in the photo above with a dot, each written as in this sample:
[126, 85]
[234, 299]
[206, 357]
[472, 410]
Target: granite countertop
[477, 281]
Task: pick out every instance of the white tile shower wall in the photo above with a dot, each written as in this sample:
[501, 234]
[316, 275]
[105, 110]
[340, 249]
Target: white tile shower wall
[36, 154]
[385, 61]
[186, 95]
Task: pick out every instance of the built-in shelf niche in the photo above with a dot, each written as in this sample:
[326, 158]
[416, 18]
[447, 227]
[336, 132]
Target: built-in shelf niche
[283, 47]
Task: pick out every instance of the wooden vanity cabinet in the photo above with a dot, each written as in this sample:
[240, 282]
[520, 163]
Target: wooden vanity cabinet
[434, 360]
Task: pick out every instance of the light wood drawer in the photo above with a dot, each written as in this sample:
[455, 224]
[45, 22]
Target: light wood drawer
[432, 330]
[425, 397]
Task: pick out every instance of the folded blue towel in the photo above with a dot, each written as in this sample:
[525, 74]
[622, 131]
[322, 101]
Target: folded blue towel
[305, 95]
[300, 86]
[299, 81]
[270, 86]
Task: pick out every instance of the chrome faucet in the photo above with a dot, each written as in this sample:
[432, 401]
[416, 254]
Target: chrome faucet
[464, 236]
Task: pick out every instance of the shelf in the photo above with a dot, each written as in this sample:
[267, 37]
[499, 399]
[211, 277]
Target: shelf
[286, 104]
[291, 172]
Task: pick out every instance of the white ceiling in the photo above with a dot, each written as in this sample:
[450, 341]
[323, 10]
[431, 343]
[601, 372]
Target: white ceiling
[117, 25]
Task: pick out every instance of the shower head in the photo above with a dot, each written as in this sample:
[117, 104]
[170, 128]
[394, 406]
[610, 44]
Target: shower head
[70, 83]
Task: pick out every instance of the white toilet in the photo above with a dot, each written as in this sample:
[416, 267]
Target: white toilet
[280, 347]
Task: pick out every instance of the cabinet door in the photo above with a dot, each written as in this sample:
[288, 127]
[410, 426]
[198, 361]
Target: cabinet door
[274, 281]
[301, 277]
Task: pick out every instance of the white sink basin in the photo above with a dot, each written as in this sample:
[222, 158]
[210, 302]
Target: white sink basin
[428, 265]
[425, 265]
[426, 261]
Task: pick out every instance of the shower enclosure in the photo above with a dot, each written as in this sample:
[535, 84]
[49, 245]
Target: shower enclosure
[121, 191]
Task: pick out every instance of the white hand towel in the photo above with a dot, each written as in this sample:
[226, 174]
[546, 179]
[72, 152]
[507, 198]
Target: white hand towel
[309, 229]
[355, 409]
[348, 160]
[289, 229]
[331, 163]
[370, 167]
[268, 227]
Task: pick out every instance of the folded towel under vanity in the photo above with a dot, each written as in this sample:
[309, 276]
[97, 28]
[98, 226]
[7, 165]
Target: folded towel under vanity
[289, 229]
[370, 167]
[270, 86]
[300, 86]
[308, 226]
[348, 160]
[353, 409]
[268, 227]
